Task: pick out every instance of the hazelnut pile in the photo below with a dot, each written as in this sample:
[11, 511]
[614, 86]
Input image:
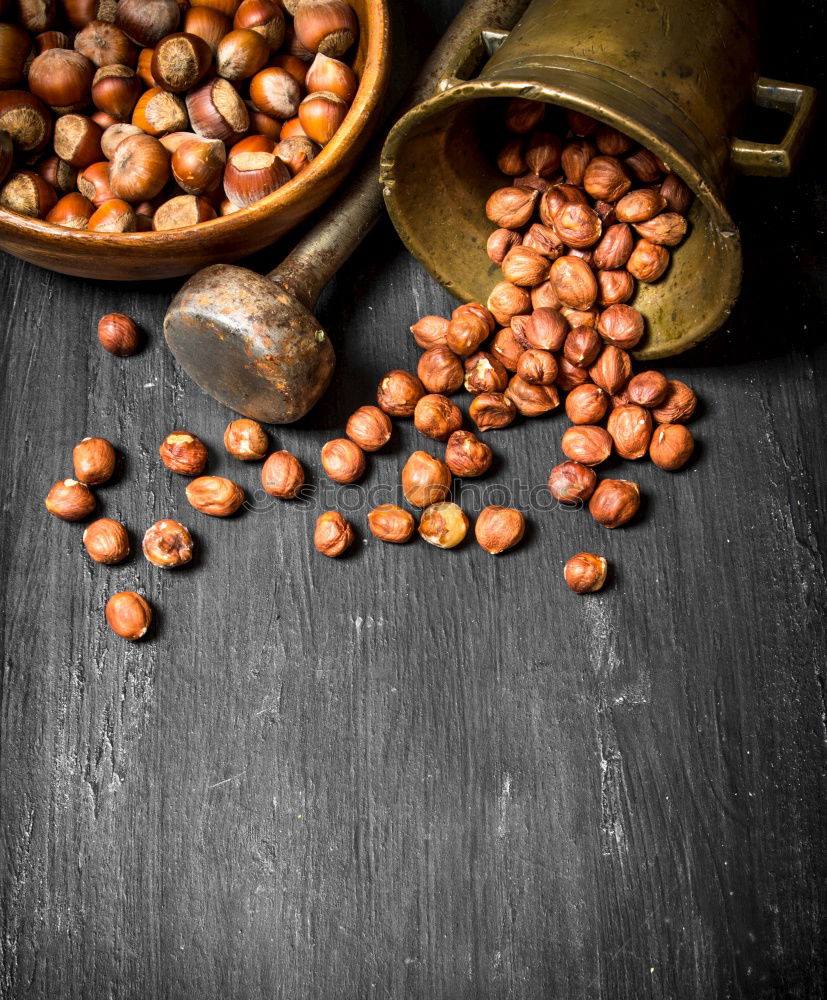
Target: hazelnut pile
[121, 116]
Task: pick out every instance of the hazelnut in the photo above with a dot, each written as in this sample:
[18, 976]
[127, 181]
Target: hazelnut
[147, 21]
[430, 331]
[532, 400]
[647, 388]
[572, 483]
[499, 529]
[94, 461]
[106, 541]
[585, 573]
[537, 367]
[544, 240]
[444, 525]
[574, 282]
[586, 404]
[578, 225]
[676, 194]
[587, 444]
[183, 453]
[582, 346]
[605, 179]
[523, 115]
[575, 158]
[333, 535]
[128, 615]
[614, 286]
[615, 248]
[326, 26]
[511, 207]
[525, 267]
[492, 410]
[645, 166]
[343, 460]
[621, 325]
[580, 317]
[667, 229]
[507, 300]
[425, 479]
[500, 242]
[369, 427]
[246, 440]
[484, 373]
[677, 406]
[390, 523]
[70, 500]
[398, 393]
[466, 455]
[569, 376]
[545, 329]
[437, 417]
[542, 153]
[511, 158]
[215, 496]
[614, 502]
[119, 334]
[478, 310]
[506, 348]
[647, 262]
[168, 544]
[282, 475]
[532, 181]
[671, 447]
[640, 205]
[466, 332]
[612, 369]
[580, 123]
[630, 427]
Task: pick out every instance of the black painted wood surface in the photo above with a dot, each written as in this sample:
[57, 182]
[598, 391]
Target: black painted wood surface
[416, 773]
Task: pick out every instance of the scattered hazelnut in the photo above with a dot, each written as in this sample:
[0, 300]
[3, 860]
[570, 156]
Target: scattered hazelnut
[630, 427]
[614, 286]
[333, 535]
[523, 115]
[645, 166]
[119, 334]
[444, 525]
[614, 502]
[466, 455]
[582, 346]
[492, 410]
[282, 475]
[437, 417]
[183, 453]
[575, 158]
[677, 406]
[648, 261]
[466, 332]
[511, 158]
[168, 544]
[128, 615]
[215, 495]
[478, 310]
[612, 369]
[545, 329]
[542, 153]
[70, 500]
[511, 207]
[532, 400]
[585, 573]
[390, 523]
[484, 373]
[537, 367]
[440, 370]
[425, 480]
[586, 404]
[106, 541]
[621, 325]
[94, 461]
[430, 331]
[671, 447]
[343, 460]
[246, 440]
[369, 427]
[647, 388]
[587, 444]
[499, 528]
[572, 483]
[398, 393]
[544, 240]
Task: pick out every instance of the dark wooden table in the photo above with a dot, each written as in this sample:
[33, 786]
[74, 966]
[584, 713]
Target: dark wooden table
[415, 773]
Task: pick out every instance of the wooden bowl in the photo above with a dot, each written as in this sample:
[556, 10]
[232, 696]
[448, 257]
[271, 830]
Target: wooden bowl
[142, 256]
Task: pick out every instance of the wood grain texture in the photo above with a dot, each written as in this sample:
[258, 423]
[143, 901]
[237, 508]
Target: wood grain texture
[415, 773]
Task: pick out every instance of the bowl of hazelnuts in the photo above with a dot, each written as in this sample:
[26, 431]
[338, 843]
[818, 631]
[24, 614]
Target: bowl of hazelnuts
[144, 139]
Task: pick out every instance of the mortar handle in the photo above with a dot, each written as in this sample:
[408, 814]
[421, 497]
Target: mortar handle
[353, 213]
[767, 159]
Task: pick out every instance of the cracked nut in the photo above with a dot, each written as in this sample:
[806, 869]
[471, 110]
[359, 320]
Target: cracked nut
[128, 615]
[614, 502]
[425, 479]
[492, 410]
[390, 523]
[119, 334]
[333, 535]
[215, 495]
[168, 544]
[106, 541]
[671, 447]
[586, 404]
[282, 475]
[183, 453]
[444, 525]
[369, 427]
[586, 572]
[398, 393]
[343, 460]
[630, 427]
[437, 417]
[246, 440]
[677, 406]
[647, 388]
[499, 529]
[587, 444]
[94, 461]
[70, 500]
[572, 483]
[466, 455]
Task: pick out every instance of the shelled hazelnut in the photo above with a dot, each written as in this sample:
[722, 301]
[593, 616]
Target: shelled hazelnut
[398, 393]
[128, 615]
[572, 483]
[430, 331]
[246, 440]
[369, 428]
[492, 410]
[586, 404]
[437, 417]
[466, 455]
[671, 446]
[586, 572]
[168, 544]
[183, 453]
[333, 535]
[106, 541]
[425, 479]
[119, 334]
[343, 460]
[440, 370]
[390, 523]
[70, 500]
[499, 528]
[630, 427]
[215, 495]
[614, 502]
[587, 444]
[444, 525]
[94, 461]
[678, 404]
[282, 475]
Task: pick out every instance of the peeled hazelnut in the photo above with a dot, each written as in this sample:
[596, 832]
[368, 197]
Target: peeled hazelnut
[466, 333]
[70, 500]
[569, 376]
[621, 325]
[444, 525]
[537, 367]
[678, 404]
[586, 404]
[532, 400]
[492, 410]
[430, 331]
[615, 248]
[246, 440]
[645, 166]
[605, 179]
[485, 373]
[511, 207]
[630, 427]
[582, 346]
[572, 483]
[544, 240]
[506, 348]
[425, 479]
[183, 453]
[500, 242]
[128, 615]
[667, 229]
[587, 444]
[106, 541]
[525, 267]
[215, 495]
[343, 460]
[614, 502]
[390, 523]
[168, 544]
[574, 282]
[369, 427]
[333, 535]
[612, 369]
[398, 393]
[578, 225]
[466, 455]
[647, 388]
[437, 417]
[507, 300]
[640, 205]
[676, 194]
[282, 475]
[648, 261]
[499, 529]
[614, 286]
[672, 446]
[511, 157]
[585, 573]
[575, 158]
[523, 115]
